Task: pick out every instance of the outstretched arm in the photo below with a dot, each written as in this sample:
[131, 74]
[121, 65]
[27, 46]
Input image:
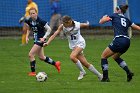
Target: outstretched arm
[134, 26]
[83, 25]
[54, 35]
[48, 31]
[104, 19]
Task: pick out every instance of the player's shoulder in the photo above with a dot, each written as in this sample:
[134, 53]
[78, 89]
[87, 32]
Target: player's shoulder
[40, 19]
[27, 20]
[113, 15]
[76, 23]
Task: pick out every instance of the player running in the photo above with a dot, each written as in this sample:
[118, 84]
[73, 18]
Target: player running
[76, 44]
[38, 26]
[120, 43]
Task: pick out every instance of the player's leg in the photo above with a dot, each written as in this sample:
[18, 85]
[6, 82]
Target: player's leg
[123, 65]
[48, 59]
[73, 57]
[104, 63]
[24, 31]
[32, 54]
[91, 68]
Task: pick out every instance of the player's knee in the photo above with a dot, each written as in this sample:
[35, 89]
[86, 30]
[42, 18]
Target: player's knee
[42, 58]
[72, 57]
[103, 56]
[30, 56]
[114, 57]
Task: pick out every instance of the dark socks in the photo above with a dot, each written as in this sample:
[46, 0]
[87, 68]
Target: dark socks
[32, 64]
[123, 65]
[49, 60]
[104, 64]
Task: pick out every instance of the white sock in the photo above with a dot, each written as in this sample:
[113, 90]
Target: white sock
[93, 69]
[80, 67]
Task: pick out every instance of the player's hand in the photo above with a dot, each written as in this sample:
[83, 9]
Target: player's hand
[45, 44]
[42, 40]
[21, 19]
[106, 17]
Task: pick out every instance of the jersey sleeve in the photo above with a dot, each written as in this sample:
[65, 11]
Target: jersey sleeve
[27, 22]
[77, 24]
[112, 16]
[131, 23]
[43, 22]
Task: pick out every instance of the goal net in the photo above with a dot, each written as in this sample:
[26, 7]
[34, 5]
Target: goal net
[79, 10]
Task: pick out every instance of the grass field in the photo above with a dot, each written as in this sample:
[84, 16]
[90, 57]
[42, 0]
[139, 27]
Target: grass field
[14, 66]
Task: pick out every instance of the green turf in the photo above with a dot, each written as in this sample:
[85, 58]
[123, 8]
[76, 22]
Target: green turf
[14, 66]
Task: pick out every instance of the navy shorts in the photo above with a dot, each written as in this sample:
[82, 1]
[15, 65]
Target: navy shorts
[120, 45]
[39, 44]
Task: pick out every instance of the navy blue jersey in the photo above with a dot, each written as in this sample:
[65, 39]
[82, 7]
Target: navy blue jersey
[120, 24]
[37, 27]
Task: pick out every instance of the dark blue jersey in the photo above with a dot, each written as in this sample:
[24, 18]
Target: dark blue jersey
[120, 24]
[37, 27]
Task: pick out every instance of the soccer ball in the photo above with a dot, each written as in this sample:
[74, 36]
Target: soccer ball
[41, 76]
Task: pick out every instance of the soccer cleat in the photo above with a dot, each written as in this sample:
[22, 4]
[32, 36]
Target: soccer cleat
[105, 80]
[81, 75]
[100, 77]
[32, 73]
[129, 76]
[57, 66]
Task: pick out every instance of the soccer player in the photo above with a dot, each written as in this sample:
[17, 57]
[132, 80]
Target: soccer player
[120, 43]
[30, 4]
[76, 43]
[40, 30]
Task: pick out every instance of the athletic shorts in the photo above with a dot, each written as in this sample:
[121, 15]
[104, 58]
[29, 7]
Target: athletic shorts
[39, 44]
[120, 44]
[80, 44]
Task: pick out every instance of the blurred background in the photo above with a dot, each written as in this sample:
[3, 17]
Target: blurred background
[80, 10]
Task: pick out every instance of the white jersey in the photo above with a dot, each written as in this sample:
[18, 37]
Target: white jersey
[74, 36]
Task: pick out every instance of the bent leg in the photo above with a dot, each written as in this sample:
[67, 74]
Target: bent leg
[89, 66]
[123, 65]
[104, 63]
[32, 54]
[73, 56]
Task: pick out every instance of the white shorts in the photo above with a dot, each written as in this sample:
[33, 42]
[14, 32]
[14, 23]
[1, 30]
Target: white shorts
[81, 44]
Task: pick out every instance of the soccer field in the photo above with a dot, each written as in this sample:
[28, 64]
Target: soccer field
[14, 66]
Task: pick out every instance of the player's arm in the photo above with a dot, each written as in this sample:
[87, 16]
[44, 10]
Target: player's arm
[28, 32]
[134, 26]
[83, 25]
[21, 19]
[48, 31]
[104, 19]
[54, 35]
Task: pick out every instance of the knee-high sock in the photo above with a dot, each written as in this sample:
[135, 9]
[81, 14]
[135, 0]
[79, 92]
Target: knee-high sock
[123, 65]
[94, 70]
[32, 65]
[80, 67]
[49, 60]
[104, 65]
